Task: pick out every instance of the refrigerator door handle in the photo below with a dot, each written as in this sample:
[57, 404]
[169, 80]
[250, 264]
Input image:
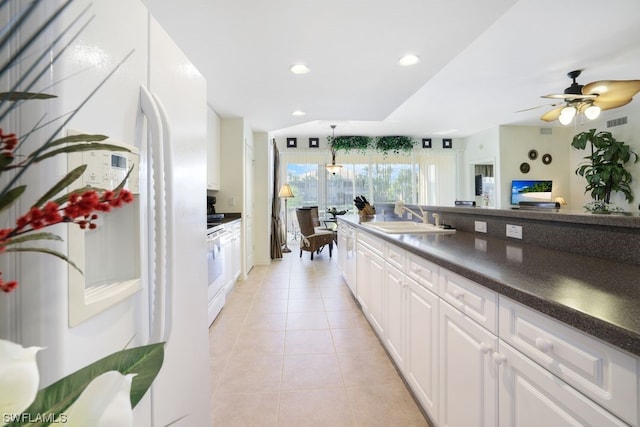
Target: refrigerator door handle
[169, 219]
[156, 219]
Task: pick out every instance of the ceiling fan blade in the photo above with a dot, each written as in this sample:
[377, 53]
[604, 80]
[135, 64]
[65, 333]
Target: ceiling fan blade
[569, 96]
[539, 106]
[552, 115]
[608, 105]
[613, 90]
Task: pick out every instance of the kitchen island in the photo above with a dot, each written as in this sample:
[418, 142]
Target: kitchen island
[570, 321]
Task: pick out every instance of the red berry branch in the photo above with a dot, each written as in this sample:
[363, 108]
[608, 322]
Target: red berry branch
[79, 208]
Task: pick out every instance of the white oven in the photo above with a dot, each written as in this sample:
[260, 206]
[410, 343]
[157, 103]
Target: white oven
[215, 268]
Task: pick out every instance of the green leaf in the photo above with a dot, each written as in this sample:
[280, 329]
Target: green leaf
[48, 252]
[5, 160]
[80, 147]
[61, 185]
[144, 361]
[78, 138]
[20, 96]
[33, 236]
[124, 180]
[11, 196]
[347, 143]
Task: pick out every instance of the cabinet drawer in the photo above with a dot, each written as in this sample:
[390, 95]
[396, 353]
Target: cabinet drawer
[395, 256]
[422, 271]
[530, 392]
[603, 373]
[373, 243]
[477, 302]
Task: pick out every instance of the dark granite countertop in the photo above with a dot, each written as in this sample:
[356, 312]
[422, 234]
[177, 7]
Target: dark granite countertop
[600, 297]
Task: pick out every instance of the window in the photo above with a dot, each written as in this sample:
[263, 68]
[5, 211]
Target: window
[426, 178]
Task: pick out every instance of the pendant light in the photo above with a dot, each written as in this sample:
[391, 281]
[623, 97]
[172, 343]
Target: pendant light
[333, 168]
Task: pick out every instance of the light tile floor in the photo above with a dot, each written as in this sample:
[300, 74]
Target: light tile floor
[291, 348]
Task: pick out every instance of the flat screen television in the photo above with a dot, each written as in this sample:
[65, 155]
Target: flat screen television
[530, 191]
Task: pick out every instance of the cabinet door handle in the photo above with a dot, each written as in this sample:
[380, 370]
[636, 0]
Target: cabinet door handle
[484, 348]
[498, 358]
[543, 345]
[457, 294]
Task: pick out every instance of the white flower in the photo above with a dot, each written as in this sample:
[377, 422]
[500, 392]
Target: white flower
[19, 377]
[105, 402]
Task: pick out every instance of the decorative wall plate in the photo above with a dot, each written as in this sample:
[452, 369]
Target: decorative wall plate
[524, 167]
[533, 154]
[546, 159]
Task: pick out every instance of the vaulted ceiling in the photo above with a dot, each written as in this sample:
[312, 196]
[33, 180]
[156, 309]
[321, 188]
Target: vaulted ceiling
[481, 61]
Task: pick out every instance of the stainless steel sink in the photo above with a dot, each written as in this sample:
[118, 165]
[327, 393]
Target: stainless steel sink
[408, 227]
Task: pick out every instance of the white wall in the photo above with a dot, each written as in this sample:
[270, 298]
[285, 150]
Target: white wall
[262, 193]
[515, 144]
[230, 196]
[481, 148]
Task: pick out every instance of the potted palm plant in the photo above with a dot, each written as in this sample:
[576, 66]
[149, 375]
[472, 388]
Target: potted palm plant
[604, 168]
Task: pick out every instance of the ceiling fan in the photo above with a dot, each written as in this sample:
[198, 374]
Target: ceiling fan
[591, 98]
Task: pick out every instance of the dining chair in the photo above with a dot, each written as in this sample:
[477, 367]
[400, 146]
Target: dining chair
[312, 239]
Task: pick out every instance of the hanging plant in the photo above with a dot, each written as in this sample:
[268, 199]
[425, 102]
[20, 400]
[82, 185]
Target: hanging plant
[348, 143]
[393, 144]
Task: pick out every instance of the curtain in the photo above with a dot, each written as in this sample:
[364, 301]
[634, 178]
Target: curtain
[276, 226]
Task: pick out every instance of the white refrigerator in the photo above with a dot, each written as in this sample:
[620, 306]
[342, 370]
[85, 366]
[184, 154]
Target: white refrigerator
[155, 95]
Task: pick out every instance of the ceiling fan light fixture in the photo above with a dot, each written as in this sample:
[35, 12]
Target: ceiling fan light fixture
[568, 111]
[592, 112]
[564, 120]
[567, 114]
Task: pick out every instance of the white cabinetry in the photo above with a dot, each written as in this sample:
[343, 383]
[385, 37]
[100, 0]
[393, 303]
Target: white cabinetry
[468, 375]
[411, 323]
[474, 358]
[347, 254]
[421, 360]
[213, 150]
[396, 302]
[370, 280]
[597, 370]
[475, 301]
[532, 396]
[232, 254]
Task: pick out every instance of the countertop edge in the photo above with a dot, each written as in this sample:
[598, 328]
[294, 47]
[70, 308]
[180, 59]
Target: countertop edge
[629, 220]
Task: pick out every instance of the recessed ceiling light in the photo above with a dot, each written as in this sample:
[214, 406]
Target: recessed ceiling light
[300, 69]
[299, 113]
[408, 60]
